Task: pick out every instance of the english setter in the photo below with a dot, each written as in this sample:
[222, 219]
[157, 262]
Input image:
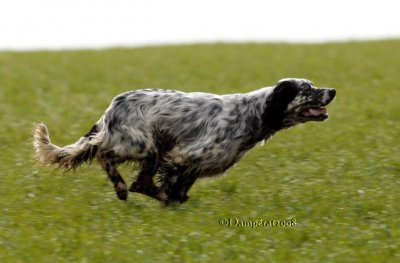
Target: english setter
[184, 136]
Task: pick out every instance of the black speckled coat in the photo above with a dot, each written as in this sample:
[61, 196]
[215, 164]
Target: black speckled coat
[184, 136]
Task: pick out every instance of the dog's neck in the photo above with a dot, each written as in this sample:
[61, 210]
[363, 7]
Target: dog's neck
[262, 126]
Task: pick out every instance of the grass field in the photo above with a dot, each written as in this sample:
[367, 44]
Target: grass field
[338, 180]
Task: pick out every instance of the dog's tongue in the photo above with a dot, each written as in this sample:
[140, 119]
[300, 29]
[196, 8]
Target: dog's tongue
[315, 112]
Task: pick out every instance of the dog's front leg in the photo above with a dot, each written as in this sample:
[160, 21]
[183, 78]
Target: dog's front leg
[176, 188]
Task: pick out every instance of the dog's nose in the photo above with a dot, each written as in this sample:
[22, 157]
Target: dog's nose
[332, 93]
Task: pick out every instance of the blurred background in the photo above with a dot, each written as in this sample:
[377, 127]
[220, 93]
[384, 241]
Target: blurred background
[48, 24]
[339, 179]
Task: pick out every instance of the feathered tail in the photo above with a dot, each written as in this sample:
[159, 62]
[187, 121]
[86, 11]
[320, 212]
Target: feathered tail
[69, 157]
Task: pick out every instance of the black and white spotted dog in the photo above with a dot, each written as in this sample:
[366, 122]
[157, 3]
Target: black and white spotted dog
[184, 136]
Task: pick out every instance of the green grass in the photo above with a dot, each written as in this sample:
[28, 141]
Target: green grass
[339, 179]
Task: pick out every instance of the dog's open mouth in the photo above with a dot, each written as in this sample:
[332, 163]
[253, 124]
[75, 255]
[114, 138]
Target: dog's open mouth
[318, 113]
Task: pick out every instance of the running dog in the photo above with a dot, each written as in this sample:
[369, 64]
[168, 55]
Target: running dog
[184, 136]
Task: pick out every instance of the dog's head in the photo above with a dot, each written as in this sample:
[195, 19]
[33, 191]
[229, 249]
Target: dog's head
[295, 101]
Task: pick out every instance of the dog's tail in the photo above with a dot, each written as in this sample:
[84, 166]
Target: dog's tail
[68, 157]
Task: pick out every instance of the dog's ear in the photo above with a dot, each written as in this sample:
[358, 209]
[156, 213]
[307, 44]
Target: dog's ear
[284, 92]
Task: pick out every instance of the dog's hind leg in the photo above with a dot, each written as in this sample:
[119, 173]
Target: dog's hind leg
[144, 184]
[108, 162]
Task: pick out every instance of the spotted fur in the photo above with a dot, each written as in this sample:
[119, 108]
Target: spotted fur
[184, 136]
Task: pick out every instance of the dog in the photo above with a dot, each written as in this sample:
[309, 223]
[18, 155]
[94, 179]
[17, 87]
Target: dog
[184, 136]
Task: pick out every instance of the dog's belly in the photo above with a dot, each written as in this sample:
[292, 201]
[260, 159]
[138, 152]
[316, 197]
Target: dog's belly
[204, 162]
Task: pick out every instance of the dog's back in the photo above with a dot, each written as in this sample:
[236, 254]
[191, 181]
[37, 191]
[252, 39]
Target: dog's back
[202, 129]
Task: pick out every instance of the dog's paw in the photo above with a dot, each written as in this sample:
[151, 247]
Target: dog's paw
[149, 190]
[121, 191]
[162, 196]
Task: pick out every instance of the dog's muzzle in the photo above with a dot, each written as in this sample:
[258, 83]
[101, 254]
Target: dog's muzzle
[318, 112]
